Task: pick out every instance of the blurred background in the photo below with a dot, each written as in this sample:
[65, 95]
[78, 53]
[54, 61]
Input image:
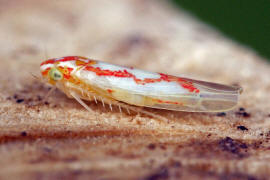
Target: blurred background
[60, 140]
[245, 21]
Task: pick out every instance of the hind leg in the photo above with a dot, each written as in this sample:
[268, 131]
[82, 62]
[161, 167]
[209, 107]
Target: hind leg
[77, 97]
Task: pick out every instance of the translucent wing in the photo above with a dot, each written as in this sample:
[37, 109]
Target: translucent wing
[212, 97]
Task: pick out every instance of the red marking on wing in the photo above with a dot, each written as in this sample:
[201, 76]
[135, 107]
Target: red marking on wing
[125, 74]
[100, 72]
[184, 83]
[168, 102]
[190, 87]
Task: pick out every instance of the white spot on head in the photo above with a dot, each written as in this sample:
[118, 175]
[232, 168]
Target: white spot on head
[45, 66]
[70, 64]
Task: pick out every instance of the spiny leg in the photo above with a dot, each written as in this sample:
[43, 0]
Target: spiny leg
[140, 110]
[95, 99]
[88, 95]
[110, 106]
[120, 109]
[82, 92]
[128, 110]
[77, 98]
[102, 103]
[123, 105]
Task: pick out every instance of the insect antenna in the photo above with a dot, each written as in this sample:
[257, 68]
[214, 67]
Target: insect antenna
[34, 76]
[37, 77]
[50, 91]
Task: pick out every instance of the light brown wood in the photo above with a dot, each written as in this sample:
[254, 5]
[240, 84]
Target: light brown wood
[60, 139]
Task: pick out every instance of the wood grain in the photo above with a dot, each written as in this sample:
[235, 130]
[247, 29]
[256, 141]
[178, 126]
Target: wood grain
[60, 139]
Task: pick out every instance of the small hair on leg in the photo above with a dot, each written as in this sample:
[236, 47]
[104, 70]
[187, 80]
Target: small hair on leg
[103, 103]
[95, 99]
[139, 110]
[111, 106]
[120, 110]
[128, 110]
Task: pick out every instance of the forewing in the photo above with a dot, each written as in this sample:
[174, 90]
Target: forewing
[212, 97]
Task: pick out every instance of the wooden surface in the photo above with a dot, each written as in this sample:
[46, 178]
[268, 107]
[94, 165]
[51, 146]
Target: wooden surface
[60, 139]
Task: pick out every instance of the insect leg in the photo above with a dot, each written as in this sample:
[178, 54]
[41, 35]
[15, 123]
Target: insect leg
[88, 95]
[49, 93]
[111, 106]
[120, 109]
[128, 110]
[141, 111]
[81, 91]
[95, 99]
[102, 102]
[75, 96]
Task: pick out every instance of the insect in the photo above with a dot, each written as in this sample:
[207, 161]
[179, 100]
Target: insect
[92, 80]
